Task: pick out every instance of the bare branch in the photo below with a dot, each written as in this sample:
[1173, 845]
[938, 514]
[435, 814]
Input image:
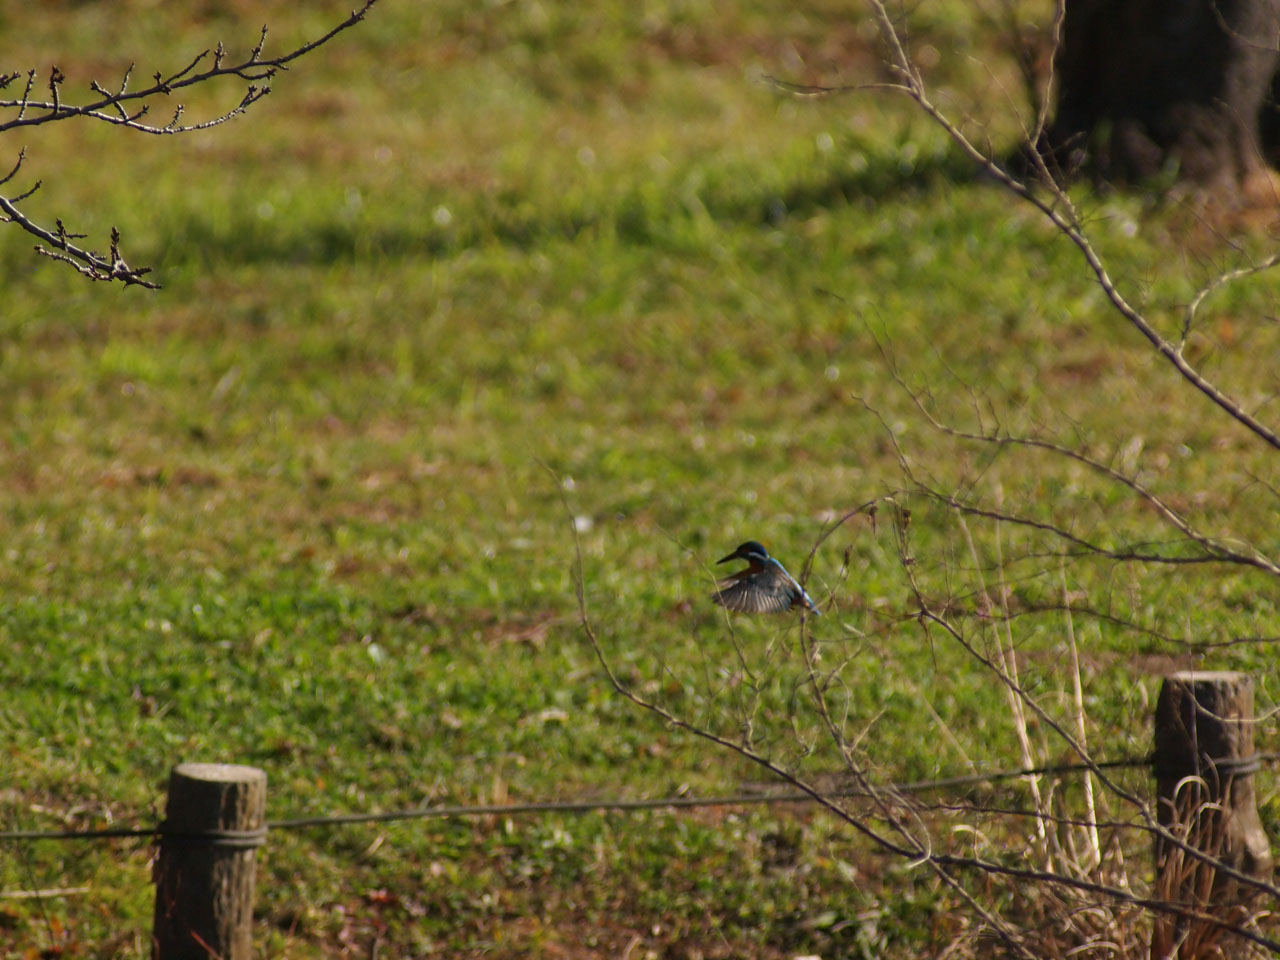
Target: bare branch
[56, 78]
[1216, 284]
[893, 807]
[26, 95]
[1058, 210]
[256, 55]
[27, 193]
[22, 154]
[129, 109]
[90, 264]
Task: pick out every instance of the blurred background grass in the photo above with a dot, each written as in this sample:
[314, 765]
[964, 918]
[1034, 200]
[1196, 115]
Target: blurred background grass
[475, 275]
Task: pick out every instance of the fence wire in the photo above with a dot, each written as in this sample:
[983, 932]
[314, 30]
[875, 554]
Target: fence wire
[763, 793]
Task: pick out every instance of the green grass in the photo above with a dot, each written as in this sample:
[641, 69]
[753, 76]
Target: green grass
[308, 507]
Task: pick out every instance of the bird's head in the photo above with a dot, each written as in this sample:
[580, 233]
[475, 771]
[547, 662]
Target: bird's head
[751, 551]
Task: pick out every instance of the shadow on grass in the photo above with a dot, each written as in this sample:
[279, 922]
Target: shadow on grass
[664, 215]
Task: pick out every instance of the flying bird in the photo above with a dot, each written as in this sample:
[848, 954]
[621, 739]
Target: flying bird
[763, 587]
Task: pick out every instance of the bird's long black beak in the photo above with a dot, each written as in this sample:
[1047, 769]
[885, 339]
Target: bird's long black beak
[732, 556]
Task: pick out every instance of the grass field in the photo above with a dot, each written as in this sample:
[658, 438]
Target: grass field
[478, 277]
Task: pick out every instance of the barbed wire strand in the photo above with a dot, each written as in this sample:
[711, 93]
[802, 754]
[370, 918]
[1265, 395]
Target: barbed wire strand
[760, 793]
[764, 793]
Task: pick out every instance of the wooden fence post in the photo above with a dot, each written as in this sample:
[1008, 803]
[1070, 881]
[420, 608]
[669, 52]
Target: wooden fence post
[215, 820]
[1203, 764]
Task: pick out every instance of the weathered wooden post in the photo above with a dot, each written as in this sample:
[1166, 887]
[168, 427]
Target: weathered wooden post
[1204, 763]
[215, 820]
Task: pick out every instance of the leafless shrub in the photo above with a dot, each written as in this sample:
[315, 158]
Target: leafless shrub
[1058, 877]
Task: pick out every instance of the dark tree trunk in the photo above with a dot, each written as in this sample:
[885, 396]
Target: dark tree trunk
[1150, 86]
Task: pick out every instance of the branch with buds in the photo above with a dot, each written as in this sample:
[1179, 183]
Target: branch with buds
[132, 109]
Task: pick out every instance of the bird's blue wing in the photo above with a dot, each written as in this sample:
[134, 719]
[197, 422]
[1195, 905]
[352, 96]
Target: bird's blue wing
[767, 590]
[796, 592]
[754, 595]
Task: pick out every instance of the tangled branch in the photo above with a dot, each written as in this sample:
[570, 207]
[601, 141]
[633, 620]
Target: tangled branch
[814, 700]
[904, 835]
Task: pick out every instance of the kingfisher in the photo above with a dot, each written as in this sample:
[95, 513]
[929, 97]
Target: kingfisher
[763, 587]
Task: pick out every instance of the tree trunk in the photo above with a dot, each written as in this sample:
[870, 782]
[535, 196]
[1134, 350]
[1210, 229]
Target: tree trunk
[1147, 87]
